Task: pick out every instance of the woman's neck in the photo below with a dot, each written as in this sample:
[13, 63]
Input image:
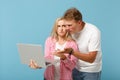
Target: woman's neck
[61, 40]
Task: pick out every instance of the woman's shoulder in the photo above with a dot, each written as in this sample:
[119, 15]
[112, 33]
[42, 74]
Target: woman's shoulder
[50, 39]
[69, 42]
[72, 44]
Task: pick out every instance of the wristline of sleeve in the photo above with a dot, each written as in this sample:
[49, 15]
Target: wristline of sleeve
[71, 51]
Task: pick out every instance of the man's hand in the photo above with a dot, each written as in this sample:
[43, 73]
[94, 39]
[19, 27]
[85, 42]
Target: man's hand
[66, 50]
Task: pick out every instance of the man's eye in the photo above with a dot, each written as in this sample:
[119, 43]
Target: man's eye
[69, 25]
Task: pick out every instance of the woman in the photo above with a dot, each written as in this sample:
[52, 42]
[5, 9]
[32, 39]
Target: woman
[61, 64]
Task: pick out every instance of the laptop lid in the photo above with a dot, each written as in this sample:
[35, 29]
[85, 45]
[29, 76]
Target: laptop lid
[31, 51]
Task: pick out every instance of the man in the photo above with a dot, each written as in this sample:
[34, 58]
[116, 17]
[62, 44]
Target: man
[87, 36]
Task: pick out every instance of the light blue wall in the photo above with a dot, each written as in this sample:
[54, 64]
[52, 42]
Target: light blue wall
[30, 21]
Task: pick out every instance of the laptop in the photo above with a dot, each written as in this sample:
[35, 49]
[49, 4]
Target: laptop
[31, 51]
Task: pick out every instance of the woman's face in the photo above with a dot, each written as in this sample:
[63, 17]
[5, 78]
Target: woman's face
[61, 28]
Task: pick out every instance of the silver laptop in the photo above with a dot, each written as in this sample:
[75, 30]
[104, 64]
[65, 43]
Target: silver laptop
[31, 51]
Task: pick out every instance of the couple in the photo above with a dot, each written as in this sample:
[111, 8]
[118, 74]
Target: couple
[75, 48]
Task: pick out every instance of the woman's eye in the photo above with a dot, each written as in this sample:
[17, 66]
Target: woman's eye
[58, 26]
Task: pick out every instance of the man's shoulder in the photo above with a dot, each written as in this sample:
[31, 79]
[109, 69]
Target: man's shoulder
[91, 27]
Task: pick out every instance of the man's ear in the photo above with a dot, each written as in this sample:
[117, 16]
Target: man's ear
[80, 22]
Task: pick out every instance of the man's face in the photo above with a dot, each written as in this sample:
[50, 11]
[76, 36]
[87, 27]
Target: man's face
[71, 25]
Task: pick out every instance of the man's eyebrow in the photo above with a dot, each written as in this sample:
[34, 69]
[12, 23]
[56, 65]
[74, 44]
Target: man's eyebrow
[69, 24]
[64, 25]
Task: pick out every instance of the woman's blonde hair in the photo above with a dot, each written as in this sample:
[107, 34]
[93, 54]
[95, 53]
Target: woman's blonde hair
[54, 31]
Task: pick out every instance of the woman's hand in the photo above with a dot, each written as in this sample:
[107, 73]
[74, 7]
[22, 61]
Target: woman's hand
[34, 65]
[62, 56]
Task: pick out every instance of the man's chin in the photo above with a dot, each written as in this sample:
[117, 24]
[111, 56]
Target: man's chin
[71, 32]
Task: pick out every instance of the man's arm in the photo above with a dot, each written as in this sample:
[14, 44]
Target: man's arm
[90, 57]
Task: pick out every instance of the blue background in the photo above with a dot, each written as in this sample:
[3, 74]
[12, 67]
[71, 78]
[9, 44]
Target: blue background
[30, 21]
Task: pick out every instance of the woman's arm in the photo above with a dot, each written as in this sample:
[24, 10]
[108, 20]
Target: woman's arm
[48, 43]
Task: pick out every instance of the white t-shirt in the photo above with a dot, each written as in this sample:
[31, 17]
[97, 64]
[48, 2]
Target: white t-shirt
[89, 40]
[57, 61]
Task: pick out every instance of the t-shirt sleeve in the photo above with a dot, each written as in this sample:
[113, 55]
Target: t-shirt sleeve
[95, 41]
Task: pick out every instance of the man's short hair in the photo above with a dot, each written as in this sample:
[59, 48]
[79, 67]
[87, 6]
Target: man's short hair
[72, 13]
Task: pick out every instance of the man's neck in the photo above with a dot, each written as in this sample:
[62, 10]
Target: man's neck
[81, 26]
